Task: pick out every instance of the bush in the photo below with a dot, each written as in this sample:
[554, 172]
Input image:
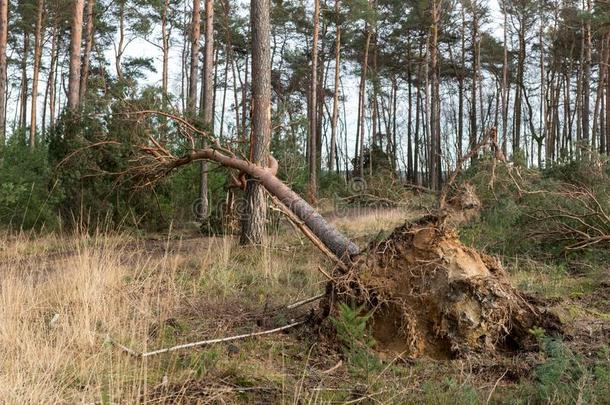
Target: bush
[568, 378]
[537, 214]
[28, 197]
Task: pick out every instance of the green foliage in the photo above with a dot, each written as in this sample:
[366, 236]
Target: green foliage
[568, 378]
[449, 391]
[518, 206]
[28, 197]
[352, 330]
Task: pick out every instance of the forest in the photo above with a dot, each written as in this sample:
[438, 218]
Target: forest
[305, 201]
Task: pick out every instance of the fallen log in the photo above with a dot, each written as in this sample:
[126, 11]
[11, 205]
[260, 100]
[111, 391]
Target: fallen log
[429, 294]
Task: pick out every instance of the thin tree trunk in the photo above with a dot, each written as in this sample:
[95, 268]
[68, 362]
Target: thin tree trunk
[505, 87]
[435, 120]
[88, 48]
[410, 171]
[475, 79]
[3, 69]
[586, 86]
[53, 82]
[165, 36]
[194, 65]
[50, 79]
[361, 103]
[333, 136]
[75, 55]
[313, 119]
[36, 71]
[518, 90]
[207, 102]
[23, 105]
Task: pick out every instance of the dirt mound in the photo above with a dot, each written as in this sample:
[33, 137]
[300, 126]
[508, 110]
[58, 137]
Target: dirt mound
[433, 296]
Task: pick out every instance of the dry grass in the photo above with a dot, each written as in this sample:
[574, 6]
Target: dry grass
[363, 222]
[60, 296]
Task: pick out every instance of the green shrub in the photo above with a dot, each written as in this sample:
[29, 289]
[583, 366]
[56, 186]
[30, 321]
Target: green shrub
[351, 325]
[28, 197]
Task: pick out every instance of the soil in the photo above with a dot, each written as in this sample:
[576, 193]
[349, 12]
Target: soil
[432, 296]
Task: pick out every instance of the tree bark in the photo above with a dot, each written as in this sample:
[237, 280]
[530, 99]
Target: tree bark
[586, 85]
[313, 119]
[75, 55]
[253, 231]
[518, 90]
[361, 103]
[435, 122]
[36, 71]
[88, 47]
[333, 136]
[194, 65]
[23, 105]
[207, 110]
[3, 70]
[475, 78]
[505, 88]
[165, 48]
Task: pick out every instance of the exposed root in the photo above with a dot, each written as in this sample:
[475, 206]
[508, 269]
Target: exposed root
[433, 296]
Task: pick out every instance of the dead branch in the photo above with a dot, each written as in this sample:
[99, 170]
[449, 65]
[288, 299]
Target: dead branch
[487, 139]
[137, 354]
[583, 221]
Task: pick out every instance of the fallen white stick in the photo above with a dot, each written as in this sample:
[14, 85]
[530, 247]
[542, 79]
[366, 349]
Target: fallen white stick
[305, 302]
[134, 353]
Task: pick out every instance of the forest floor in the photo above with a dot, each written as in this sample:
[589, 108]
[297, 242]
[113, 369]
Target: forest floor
[62, 297]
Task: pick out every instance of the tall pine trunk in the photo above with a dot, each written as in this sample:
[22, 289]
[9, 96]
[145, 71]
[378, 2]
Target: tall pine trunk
[75, 55]
[3, 70]
[36, 71]
[313, 118]
[88, 48]
[207, 102]
[253, 231]
[335, 116]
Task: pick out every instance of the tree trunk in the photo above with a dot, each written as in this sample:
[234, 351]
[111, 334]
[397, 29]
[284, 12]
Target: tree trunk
[50, 78]
[53, 73]
[88, 47]
[165, 48]
[75, 55]
[361, 103]
[207, 103]
[313, 119]
[36, 71]
[333, 136]
[518, 91]
[3, 70]
[435, 120]
[606, 133]
[253, 231]
[194, 65]
[461, 77]
[475, 79]
[586, 85]
[505, 86]
[23, 105]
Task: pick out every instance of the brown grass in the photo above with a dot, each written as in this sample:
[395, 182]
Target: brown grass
[61, 295]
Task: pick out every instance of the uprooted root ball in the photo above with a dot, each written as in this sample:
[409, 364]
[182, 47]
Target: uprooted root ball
[433, 296]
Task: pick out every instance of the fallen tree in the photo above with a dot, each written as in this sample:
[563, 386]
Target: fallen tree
[429, 294]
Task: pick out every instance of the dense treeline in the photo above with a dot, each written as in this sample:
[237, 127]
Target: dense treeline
[357, 86]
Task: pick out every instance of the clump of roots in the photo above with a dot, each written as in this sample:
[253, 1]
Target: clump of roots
[433, 296]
